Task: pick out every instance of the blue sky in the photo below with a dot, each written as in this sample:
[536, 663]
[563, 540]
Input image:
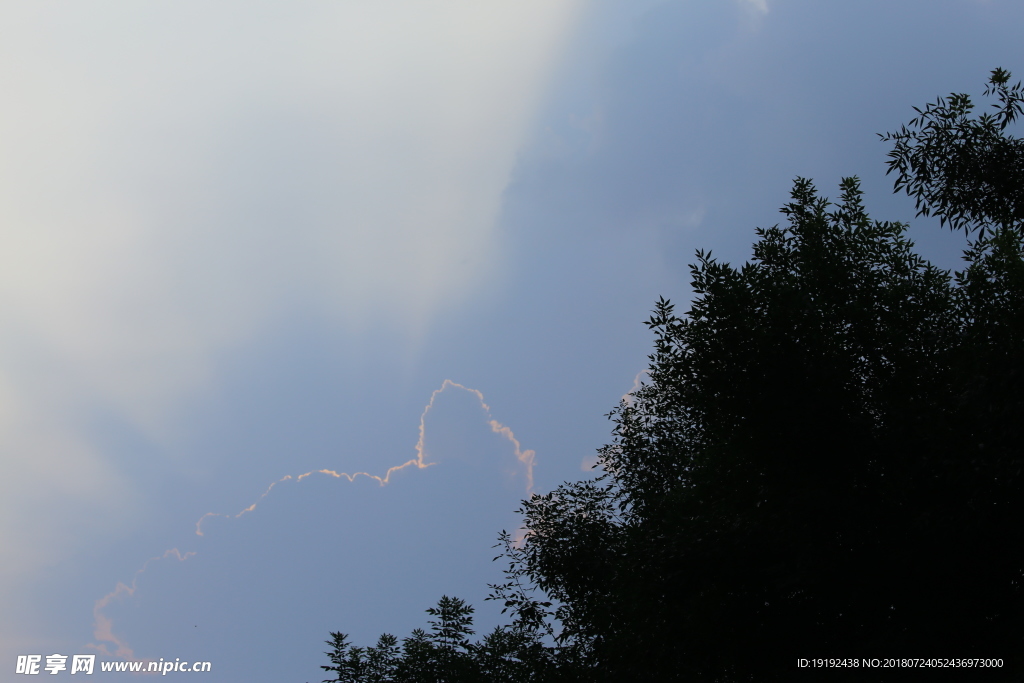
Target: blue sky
[248, 241]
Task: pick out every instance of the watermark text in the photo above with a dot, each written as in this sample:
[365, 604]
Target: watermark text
[86, 664]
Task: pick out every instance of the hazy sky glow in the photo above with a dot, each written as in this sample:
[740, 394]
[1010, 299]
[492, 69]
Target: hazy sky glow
[248, 241]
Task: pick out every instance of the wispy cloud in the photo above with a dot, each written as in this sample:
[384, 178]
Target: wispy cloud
[103, 627]
[112, 644]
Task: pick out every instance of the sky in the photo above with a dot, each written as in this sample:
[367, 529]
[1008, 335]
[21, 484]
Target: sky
[299, 300]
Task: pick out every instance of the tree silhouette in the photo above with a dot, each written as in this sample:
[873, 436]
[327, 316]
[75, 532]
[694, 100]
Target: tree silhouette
[826, 459]
[798, 470]
[965, 170]
[511, 654]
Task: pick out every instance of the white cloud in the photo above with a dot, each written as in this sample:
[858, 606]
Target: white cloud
[173, 175]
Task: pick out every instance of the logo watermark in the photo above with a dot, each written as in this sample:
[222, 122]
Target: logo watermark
[86, 664]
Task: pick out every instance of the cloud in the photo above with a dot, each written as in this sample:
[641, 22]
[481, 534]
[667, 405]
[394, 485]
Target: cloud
[103, 626]
[59, 487]
[176, 177]
[170, 184]
[525, 457]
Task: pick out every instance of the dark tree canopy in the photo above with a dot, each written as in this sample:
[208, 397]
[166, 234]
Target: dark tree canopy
[825, 461]
[445, 654]
[965, 170]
